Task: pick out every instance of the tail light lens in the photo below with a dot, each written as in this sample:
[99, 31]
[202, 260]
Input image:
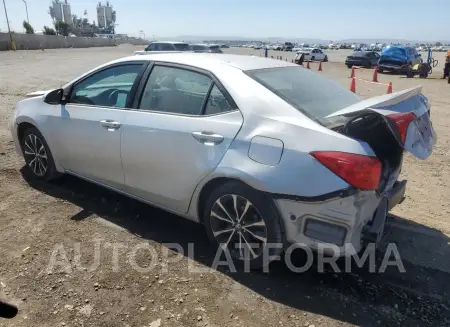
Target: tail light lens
[360, 171]
[402, 121]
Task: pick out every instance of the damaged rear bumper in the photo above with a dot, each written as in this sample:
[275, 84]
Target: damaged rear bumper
[345, 223]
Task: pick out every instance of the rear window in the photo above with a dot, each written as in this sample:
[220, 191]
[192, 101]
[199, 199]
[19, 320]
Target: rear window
[311, 93]
[182, 46]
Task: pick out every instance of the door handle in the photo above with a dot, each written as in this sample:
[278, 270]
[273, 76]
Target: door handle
[208, 137]
[110, 125]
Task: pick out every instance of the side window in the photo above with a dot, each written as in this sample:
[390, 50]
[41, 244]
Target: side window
[175, 90]
[167, 47]
[107, 88]
[151, 47]
[217, 103]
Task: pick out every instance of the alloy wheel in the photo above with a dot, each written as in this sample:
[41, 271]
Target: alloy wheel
[238, 226]
[35, 155]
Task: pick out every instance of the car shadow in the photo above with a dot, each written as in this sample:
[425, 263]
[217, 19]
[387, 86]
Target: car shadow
[420, 296]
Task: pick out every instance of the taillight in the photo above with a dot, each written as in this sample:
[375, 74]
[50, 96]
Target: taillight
[360, 171]
[402, 121]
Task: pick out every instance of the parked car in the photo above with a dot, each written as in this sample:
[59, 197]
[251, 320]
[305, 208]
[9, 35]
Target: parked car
[165, 46]
[312, 54]
[200, 48]
[278, 47]
[366, 59]
[288, 46]
[215, 48]
[398, 59]
[224, 46]
[215, 139]
[206, 48]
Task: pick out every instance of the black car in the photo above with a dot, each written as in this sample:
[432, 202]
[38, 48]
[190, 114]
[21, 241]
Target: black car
[200, 48]
[366, 59]
[215, 49]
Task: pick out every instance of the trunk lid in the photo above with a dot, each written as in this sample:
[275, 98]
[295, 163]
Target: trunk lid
[416, 136]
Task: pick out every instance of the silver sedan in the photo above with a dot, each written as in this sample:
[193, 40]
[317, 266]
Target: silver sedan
[260, 151]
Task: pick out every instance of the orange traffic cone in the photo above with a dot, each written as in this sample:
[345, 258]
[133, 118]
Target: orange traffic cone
[389, 90]
[307, 65]
[375, 75]
[353, 85]
[320, 67]
[352, 75]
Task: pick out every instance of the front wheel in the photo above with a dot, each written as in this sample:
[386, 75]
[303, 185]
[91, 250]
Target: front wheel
[37, 154]
[325, 59]
[243, 222]
[313, 58]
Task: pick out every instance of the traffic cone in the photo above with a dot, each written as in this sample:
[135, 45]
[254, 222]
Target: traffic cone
[353, 85]
[352, 75]
[375, 75]
[320, 67]
[307, 65]
[389, 90]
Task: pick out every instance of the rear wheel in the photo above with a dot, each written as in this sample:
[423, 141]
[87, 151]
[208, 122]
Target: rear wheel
[380, 70]
[349, 66]
[243, 222]
[37, 154]
[325, 59]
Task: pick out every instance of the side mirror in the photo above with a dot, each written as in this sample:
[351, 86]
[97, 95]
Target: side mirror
[55, 97]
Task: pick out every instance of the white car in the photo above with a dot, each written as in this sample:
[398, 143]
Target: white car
[165, 46]
[262, 152]
[312, 54]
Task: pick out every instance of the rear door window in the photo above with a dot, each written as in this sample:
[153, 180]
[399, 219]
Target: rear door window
[217, 102]
[175, 90]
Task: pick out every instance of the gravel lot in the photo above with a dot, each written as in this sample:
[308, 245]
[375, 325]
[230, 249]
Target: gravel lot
[75, 217]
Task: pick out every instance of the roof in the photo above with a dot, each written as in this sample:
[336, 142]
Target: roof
[211, 61]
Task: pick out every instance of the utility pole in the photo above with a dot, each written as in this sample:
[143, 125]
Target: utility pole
[9, 29]
[26, 9]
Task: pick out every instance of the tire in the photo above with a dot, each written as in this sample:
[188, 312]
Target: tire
[261, 211]
[43, 166]
[325, 59]
[313, 58]
[379, 70]
[349, 66]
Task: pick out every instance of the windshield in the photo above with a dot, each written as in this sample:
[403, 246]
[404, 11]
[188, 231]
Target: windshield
[311, 93]
[182, 46]
[395, 51]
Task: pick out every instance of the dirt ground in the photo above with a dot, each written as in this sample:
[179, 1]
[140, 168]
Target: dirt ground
[75, 218]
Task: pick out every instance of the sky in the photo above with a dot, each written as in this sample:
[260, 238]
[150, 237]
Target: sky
[424, 20]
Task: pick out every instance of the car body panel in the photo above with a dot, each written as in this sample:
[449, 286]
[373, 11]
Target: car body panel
[420, 137]
[158, 146]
